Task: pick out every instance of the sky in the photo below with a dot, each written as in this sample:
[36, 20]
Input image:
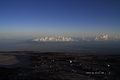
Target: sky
[34, 17]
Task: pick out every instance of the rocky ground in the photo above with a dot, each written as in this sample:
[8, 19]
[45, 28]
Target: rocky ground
[58, 66]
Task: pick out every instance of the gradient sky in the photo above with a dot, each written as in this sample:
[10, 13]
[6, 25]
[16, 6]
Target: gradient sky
[29, 17]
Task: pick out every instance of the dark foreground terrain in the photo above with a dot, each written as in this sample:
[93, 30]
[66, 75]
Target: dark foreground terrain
[58, 66]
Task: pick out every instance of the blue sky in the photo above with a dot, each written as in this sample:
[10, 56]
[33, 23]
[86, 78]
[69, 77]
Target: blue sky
[22, 17]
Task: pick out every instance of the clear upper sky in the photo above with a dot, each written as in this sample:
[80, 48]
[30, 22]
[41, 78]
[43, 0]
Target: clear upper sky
[56, 16]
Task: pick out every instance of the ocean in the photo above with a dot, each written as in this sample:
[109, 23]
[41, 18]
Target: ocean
[99, 47]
